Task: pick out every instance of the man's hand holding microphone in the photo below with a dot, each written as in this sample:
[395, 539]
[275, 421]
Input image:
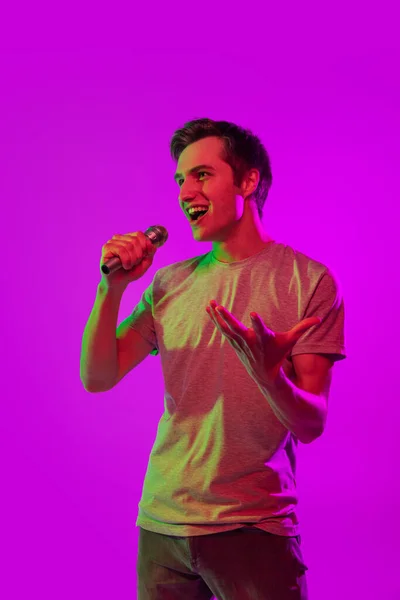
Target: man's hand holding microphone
[126, 258]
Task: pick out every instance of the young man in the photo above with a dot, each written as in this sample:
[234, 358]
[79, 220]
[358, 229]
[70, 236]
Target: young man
[248, 334]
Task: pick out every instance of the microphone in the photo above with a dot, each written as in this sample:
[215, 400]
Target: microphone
[157, 234]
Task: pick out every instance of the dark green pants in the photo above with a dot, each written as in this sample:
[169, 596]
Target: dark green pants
[243, 564]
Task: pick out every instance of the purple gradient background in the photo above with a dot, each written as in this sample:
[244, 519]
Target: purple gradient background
[85, 131]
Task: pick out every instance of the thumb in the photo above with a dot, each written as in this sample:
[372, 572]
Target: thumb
[297, 331]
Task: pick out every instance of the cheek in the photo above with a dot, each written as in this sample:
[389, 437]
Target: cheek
[227, 203]
[230, 208]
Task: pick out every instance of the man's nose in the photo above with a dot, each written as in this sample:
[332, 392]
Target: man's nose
[188, 192]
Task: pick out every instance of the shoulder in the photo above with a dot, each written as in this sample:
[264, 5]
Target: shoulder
[294, 256]
[297, 268]
[177, 272]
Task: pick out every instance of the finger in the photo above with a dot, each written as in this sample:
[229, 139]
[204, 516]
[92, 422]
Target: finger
[236, 326]
[222, 325]
[260, 329]
[129, 251]
[116, 248]
[259, 325]
[143, 240]
[214, 319]
[211, 313]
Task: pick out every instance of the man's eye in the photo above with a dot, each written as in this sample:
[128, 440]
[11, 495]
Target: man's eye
[198, 173]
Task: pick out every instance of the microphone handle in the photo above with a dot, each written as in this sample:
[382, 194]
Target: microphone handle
[111, 265]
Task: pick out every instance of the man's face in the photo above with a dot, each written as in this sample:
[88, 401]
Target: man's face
[211, 188]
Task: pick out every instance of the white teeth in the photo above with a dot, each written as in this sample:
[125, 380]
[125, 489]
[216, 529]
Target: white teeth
[197, 209]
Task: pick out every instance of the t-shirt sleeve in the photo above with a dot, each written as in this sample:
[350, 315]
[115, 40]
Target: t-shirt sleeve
[327, 337]
[141, 319]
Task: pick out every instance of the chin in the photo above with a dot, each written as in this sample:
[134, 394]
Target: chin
[208, 236]
[204, 236]
[214, 234]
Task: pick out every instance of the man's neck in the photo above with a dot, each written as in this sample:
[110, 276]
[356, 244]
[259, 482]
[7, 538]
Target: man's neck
[236, 250]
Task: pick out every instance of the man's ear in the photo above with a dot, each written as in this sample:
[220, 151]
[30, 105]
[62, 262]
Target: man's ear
[250, 183]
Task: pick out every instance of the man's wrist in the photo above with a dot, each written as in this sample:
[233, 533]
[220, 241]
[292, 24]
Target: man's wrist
[103, 289]
[272, 380]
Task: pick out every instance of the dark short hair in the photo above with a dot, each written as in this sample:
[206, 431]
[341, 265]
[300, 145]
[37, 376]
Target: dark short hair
[242, 151]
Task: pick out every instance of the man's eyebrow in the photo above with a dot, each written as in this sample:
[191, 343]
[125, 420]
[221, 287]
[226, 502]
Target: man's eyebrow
[193, 170]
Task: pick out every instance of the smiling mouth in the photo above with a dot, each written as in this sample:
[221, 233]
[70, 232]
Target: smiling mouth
[196, 217]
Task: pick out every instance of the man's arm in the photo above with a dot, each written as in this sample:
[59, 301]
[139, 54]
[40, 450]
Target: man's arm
[301, 405]
[108, 353]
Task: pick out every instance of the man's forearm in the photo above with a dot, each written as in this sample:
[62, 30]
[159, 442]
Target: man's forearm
[99, 362]
[303, 413]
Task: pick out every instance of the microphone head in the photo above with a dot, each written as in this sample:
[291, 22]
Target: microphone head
[157, 234]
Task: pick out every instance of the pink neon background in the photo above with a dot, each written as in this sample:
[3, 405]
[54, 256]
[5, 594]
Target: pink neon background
[86, 119]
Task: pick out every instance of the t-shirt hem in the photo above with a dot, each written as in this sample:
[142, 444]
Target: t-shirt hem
[194, 530]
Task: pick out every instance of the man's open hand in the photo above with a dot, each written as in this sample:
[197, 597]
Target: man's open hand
[261, 350]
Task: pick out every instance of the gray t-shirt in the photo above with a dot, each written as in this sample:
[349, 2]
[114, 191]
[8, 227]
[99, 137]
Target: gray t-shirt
[221, 459]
